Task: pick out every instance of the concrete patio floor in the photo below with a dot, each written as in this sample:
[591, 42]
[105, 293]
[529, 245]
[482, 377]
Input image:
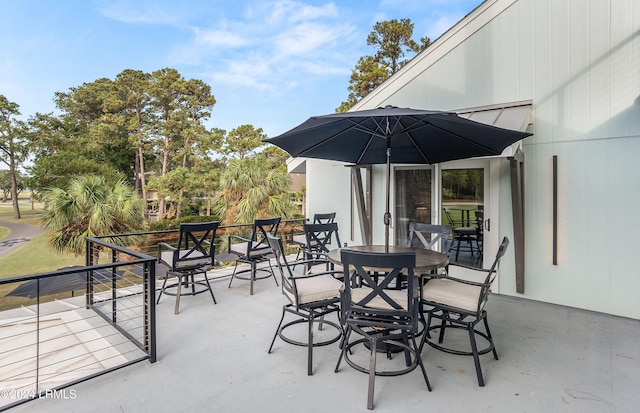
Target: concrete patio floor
[213, 358]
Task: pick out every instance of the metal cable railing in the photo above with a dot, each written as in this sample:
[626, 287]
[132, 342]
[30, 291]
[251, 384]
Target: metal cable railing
[62, 327]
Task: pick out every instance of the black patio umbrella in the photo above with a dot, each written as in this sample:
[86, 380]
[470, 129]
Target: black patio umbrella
[394, 135]
[61, 283]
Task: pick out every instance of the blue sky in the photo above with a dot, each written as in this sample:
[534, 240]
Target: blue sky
[270, 63]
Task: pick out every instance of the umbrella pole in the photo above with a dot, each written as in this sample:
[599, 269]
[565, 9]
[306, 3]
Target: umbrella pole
[387, 214]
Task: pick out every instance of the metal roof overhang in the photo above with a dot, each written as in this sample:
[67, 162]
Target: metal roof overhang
[515, 115]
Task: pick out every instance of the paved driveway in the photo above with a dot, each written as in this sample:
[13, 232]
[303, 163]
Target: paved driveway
[20, 234]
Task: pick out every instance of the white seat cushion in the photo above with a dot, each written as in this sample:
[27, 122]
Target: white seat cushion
[167, 257]
[452, 294]
[241, 249]
[399, 296]
[300, 239]
[320, 288]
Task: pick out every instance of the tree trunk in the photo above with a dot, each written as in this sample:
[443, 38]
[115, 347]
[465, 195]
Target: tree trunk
[143, 182]
[136, 171]
[14, 193]
[165, 165]
[179, 207]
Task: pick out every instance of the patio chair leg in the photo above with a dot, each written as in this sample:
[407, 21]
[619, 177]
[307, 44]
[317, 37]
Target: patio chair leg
[476, 357]
[486, 326]
[277, 331]
[177, 310]
[372, 374]
[343, 346]
[310, 346]
[419, 361]
[442, 327]
[407, 353]
[166, 277]
[234, 274]
[252, 277]
[273, 274]
[210, 289]
[321, 323]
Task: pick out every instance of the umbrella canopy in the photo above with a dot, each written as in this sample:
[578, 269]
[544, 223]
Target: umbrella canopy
[394, 135]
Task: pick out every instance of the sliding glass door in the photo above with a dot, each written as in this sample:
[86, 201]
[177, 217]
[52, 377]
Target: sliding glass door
[454, 195]
[412, 200]
[463, 210]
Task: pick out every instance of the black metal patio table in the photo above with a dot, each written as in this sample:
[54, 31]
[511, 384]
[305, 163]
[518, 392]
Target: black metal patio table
[426, 260]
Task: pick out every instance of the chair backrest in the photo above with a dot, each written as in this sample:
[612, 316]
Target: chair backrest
[491, 274]
[324, 218]
[480, 220]
[288, 286]
[196, 247]
[373, 303]
[322, 237]
[427, 236]
[261, 228]
[493, 270]
[447, 214]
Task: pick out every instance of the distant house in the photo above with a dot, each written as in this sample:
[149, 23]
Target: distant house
[567, 71]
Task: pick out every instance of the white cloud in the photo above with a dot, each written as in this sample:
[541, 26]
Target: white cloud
[287, 11]
[274, 46]
[443, 24]
[219, 38]
[253, 73]
[141, 12]
[306, 38]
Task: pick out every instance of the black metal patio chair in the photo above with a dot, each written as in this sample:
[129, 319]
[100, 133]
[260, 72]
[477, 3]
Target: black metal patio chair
[253, 251]
[383, 317]
[428, 235]
[458, 300]
[466, 232]
[193, 255]
[320, 239]
[301, 238]
[311, 297]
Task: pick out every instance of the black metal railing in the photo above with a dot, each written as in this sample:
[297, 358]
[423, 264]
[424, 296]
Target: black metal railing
[62, 327]
[52, 338]
[147, 241]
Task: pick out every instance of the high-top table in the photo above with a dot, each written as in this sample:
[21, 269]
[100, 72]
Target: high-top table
[426, 260]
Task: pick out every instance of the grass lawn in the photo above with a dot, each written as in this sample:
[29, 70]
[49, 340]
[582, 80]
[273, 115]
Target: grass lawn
[35, 257]
[24, 203]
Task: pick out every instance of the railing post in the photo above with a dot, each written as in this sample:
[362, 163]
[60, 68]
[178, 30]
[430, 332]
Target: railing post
[114, 307]
[89, 263]
[150, 309]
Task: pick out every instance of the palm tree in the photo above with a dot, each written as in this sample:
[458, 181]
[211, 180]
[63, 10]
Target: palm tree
[248, 190]
[90, 207]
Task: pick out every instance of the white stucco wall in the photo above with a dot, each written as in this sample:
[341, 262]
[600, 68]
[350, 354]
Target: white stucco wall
[579, 62]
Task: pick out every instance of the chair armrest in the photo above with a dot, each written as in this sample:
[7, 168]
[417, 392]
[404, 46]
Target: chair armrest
[468, 267]
[316, 274]
[235, 237]
[295, 231]
[167, 246]
[448, 277]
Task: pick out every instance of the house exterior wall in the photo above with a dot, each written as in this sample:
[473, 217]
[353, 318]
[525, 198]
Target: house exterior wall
[579, 62]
